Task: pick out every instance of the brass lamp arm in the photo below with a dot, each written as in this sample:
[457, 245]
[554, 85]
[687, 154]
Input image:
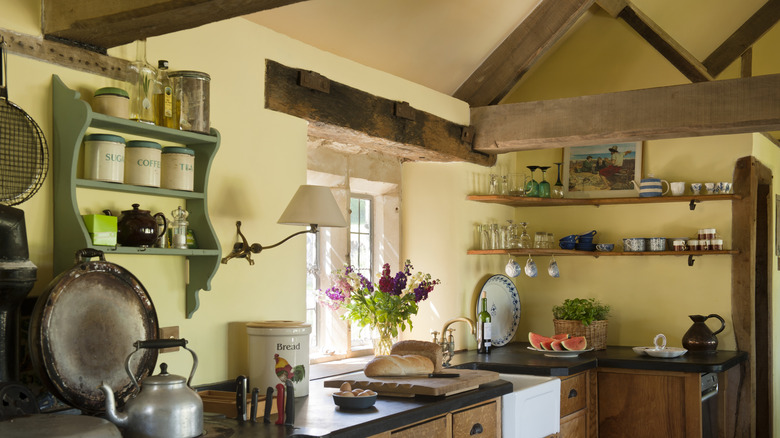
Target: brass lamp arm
[245, 250]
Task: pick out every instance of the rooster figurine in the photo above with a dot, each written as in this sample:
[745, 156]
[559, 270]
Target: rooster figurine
[285, 371]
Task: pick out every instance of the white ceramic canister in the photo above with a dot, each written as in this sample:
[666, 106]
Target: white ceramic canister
[178, 168]
[143, 163]
[192, 99]
[112, 101]
[279, 351]
[104, 157]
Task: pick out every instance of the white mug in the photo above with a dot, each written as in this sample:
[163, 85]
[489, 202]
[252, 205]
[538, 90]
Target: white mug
[677, 188]
[711, 188]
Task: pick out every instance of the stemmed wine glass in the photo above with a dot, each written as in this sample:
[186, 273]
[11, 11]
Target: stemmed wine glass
[532, 187]
[558, 187]
[544, 186]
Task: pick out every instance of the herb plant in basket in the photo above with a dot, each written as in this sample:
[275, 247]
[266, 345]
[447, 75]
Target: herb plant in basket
[583, 317]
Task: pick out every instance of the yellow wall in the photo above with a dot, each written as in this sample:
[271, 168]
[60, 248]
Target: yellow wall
[260, 164]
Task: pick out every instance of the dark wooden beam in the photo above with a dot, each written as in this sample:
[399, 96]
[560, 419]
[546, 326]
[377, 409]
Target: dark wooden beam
[493, 80]
[744, 37]
[106, 24]
[684, 61]
[705, 108]
[343, 114]
[64, 55]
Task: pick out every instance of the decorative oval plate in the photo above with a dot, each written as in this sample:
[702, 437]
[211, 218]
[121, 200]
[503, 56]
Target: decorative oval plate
[564, 353]
[503, 306]
[667, 353]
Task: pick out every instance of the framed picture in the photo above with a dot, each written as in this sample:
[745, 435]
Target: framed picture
[602, 171]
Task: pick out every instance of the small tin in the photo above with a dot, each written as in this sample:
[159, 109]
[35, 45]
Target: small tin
[178, 168]
[143, 163]
[112, 101]
[104, 157]
[192, 98]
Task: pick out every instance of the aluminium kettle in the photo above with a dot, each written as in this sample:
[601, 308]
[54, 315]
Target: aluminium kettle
[166, 407]
[699, 337]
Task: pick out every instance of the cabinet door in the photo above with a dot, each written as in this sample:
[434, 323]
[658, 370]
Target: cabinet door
[436, 428]
[574, 425]
[573, 394]
[480, 421]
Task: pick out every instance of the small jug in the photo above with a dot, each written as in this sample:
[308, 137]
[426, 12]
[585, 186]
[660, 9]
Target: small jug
[651, 187]
[699, 337]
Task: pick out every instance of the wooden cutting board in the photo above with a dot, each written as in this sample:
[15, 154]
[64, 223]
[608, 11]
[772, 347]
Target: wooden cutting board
[410, 386]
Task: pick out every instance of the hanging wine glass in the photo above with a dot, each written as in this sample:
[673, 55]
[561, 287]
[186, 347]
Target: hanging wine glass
[557, 191]
[532, 187]
[544, 186]
[525, 239]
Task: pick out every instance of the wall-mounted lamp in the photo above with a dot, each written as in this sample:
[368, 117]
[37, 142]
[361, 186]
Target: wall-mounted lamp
[312, 206]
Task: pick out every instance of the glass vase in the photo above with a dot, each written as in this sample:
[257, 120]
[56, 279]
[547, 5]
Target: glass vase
[383, 340]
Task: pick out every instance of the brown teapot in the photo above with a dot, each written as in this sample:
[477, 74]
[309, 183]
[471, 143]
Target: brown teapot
[139, 227]
[699, 337]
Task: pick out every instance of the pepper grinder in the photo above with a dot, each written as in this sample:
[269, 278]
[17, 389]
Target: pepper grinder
[179, 228]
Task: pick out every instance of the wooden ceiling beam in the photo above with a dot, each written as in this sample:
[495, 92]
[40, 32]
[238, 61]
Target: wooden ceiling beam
[104, 24]
[732, 106]
[546, 24]
[743, 38]
[348, 116]
[661, 41]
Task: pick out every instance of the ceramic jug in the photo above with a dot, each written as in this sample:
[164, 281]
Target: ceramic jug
[651, 187]
[699, 337]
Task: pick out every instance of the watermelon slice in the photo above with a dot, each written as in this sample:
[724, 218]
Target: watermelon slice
[577, 343]
[561, 336]
[556, 345]
[537, 340]
[547, 344]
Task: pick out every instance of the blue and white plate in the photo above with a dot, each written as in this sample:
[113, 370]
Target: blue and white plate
[503, 306]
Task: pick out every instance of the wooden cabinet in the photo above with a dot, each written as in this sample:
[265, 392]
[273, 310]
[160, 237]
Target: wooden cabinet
[71, 119]
[578, 407]
[648, 403]
[480, 420]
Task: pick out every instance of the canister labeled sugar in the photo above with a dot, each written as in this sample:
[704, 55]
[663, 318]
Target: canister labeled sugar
[104, 157]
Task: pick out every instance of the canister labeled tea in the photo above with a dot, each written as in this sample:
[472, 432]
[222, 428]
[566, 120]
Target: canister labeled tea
[104, 157]
[178, 168]
[112, 101]
[278, 352]
[143, 163]
[191, 97]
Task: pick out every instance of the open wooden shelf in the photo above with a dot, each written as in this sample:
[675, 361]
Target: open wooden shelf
[521, 201]
[574, 252]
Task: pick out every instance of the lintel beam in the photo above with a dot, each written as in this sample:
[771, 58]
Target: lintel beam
[705, 108]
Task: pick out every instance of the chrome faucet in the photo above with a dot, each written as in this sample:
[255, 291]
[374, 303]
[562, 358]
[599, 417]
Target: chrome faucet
[448, 340]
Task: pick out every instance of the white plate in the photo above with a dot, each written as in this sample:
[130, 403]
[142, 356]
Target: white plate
[641, 350]
[564, 353]
[503, 306]
[667, 352]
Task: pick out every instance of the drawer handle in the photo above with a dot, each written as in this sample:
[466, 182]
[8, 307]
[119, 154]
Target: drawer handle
[476, 429]
[573, 393]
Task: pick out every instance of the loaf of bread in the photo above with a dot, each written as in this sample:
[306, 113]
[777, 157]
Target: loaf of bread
[431, 350]
[397, 365]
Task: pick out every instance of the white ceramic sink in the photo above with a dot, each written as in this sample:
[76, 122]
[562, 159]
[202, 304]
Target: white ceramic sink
[533, 408]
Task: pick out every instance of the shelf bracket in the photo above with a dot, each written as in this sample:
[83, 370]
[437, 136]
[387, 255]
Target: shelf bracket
[690, 258]
[693, 204]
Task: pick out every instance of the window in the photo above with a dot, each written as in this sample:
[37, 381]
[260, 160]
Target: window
[361, 243]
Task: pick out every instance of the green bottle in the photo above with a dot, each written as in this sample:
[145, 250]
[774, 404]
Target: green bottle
[484, 327]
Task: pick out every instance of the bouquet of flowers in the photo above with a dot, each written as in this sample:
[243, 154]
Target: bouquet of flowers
[386, 306]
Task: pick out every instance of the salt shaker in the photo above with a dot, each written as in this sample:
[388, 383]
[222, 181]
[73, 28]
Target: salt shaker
[179, 228]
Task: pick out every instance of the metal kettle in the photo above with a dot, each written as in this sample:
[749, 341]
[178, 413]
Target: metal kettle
[699, 337]
[167, 407]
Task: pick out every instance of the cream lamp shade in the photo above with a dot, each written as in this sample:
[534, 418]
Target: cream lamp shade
[313, 205]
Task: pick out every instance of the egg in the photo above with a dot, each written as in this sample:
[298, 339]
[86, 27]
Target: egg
[357, 391]
[366, 393]
[345, 387]
[345, 393]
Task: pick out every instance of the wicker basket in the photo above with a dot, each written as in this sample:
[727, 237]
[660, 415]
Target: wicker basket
[595, 333]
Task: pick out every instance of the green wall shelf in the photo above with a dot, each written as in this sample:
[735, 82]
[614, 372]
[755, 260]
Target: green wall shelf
[71, 118]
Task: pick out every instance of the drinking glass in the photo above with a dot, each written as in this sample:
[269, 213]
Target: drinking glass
[544, 186]
[493, 184]
[525, 239]
[557, 191]
[517, 184]
[531, 186]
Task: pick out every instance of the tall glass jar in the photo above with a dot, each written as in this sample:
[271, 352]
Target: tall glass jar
[141, 77]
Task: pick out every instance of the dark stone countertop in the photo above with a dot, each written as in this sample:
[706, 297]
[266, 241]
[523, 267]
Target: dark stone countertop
[516, 358]
[317, 416]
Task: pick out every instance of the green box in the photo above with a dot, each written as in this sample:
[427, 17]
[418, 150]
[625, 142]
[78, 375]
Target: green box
[102, 229]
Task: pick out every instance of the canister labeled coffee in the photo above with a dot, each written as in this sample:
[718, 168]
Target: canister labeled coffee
[178, 168]
[143, 163]
[279, 352]
[104, 157]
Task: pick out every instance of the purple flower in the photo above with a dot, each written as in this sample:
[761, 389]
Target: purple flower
[399, 284]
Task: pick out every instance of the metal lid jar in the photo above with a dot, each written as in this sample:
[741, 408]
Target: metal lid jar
[143, 163]
[112, 101]
[178, 168]
[104, 157]
[279, 351]
[191, 97]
